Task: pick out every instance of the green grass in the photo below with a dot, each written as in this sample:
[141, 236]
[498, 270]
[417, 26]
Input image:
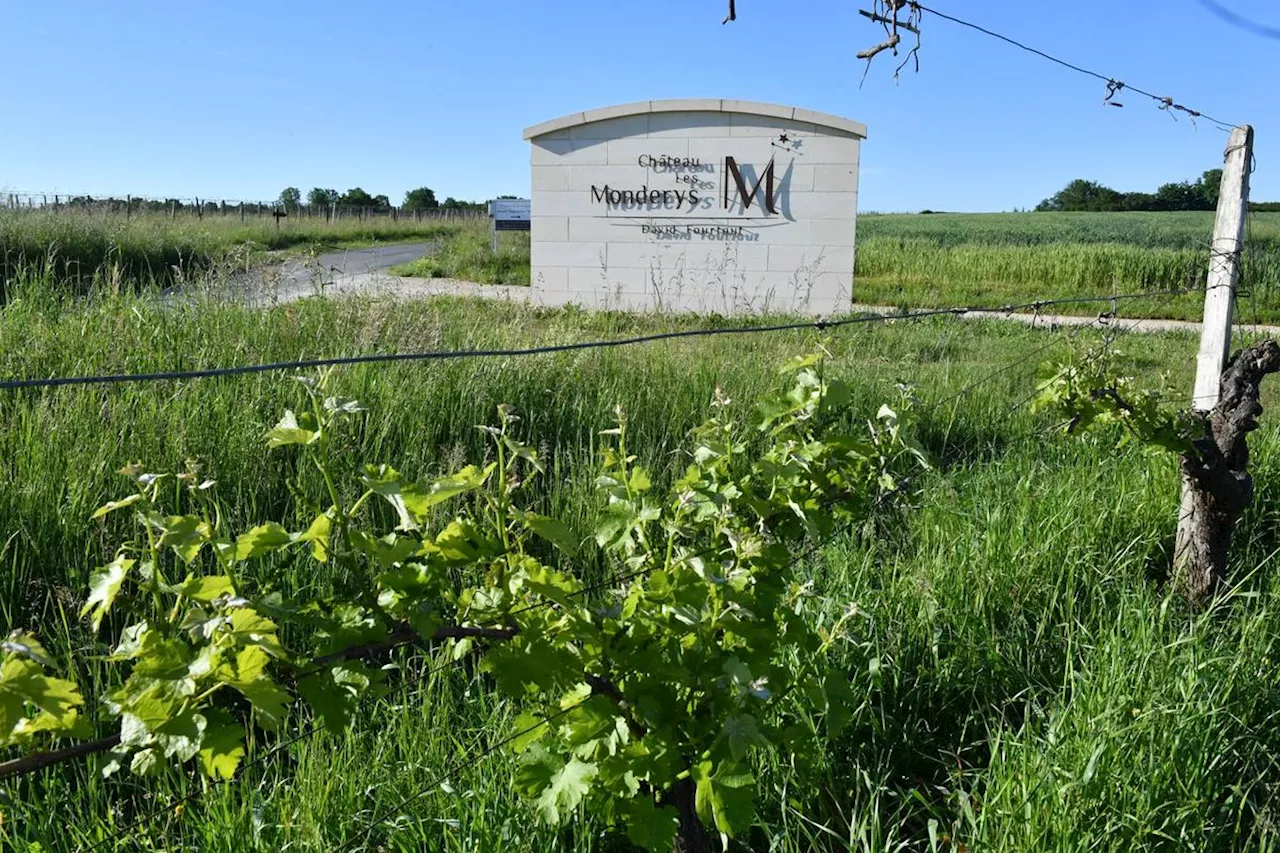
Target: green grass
[469, 256]
[86, 251]
[1181, 230]
[953, 260]
[948, 260]
[936, 260]
[1040, 691]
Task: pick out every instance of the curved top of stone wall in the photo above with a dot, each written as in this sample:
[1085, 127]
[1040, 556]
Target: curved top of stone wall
[822, 120]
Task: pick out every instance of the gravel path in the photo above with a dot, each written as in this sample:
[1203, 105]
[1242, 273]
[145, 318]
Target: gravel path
[1051, 320]
[364, 271]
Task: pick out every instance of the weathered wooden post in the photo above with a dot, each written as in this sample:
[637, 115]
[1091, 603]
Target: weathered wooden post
[1216, 486]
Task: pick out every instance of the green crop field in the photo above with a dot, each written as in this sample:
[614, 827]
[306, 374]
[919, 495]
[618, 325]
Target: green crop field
[1038, 687]
[950, 260]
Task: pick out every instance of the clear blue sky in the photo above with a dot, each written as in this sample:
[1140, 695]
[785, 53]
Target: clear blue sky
[233, 99]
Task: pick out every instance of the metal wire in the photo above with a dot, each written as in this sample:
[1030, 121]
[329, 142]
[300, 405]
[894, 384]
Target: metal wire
[1114, 86]
[449, 355]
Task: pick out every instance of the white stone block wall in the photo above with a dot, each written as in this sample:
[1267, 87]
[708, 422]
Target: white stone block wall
[709, 256]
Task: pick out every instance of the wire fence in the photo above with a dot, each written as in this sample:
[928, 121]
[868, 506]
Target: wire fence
[450, 355]
[886, 13]
[174, 208]
[1107, 320]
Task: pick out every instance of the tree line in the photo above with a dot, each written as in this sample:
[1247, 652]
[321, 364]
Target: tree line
[1082, 195]
[422, 198]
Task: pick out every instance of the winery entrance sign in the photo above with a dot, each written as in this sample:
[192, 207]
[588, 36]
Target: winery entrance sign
[702, 205]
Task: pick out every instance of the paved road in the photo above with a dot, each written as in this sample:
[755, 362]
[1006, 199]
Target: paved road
[334, 267]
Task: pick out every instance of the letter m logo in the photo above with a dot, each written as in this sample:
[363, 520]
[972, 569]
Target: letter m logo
[733, 179]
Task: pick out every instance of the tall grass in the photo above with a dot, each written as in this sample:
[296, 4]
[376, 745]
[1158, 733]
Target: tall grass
[469, 256]
[80, 248]
[949, 260]
[1173, 230]
[1040, 692]
[940, 260]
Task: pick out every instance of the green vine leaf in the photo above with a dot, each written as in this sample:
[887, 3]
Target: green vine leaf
[318, 534]
[26, 645]
[554, 531]
[104, 585]
[565, 790]
[742, 735]
[725, 797]
[651, 826]
[145, 762]
[206, 589]
[222, 746]
[293, 429]
[262, 539]
[249, 628]
[468, 479]
[268, 699]
[335, 694]
[186, 535]
[112, 506]
[54, 702]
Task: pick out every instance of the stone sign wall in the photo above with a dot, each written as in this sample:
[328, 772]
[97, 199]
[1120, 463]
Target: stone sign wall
[703, 205]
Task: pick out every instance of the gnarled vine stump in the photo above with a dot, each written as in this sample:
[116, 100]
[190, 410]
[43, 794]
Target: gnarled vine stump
[1217, 486]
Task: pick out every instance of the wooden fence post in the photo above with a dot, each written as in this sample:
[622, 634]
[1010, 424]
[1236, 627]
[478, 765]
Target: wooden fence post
[1213, 490]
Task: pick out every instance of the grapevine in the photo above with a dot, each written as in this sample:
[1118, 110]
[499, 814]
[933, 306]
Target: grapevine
[648, 704]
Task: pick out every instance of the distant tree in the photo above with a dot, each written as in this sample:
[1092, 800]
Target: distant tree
[322, 198]
[1138, 201]
[1210, 185]
[381, 201]
[1088, 195]
[356, 197]
[507, 196]
[289, 198]
[1180, 196]
[1082, 195]
[452, 203]
[423, 198]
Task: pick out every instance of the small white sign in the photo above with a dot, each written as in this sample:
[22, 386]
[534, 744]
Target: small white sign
[509, 209]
